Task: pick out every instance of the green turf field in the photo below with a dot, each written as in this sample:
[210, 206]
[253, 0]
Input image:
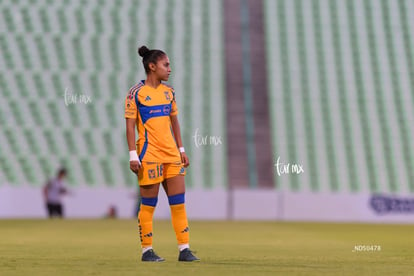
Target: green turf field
[111, 247]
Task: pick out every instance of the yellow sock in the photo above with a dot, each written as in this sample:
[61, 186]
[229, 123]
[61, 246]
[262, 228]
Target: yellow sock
[145, 225]
[180, 223]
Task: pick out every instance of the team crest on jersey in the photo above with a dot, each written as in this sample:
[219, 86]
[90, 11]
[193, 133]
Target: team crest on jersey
[151, 174]
[167, 95]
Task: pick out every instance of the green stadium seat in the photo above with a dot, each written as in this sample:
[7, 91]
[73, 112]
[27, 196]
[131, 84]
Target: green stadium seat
[24, 52]
[93, 115]
[109, 145]
[2, 120]
[114, 52]
[57, 85]
[27, 21]
[44, 19]
[51, 142]
[80, 60]
[107, 169]
[94, 83]
[80, 20]
[133, 58]
[90, 143]
[63, 23]
[113, 85]
[74, 117]
[132, 80]
[32, 141]
[70, 142]
[8, 170]
[133, 22]
[6, 52]
[16, 111]
[35, 112]
[97, 19]
[42, 52]
[59, 48]
[96, 52]
[46, 167]
[8, 18]
[130, 178]
[116, 23]
[12, 141]
[54, 113]
[40, 86]
[88, 173]
[27, 169]
[112, 116]
[151, 22]
[4, 86]
[76, 84]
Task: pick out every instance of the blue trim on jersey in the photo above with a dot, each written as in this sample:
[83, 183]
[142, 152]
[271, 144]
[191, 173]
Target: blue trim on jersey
[140, 85]
[148, 112]
[144, 148]
[149, 201]
[176, 199]
[136, 100]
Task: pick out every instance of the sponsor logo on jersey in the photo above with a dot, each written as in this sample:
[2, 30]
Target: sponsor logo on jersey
[148, 98]
[167, 109]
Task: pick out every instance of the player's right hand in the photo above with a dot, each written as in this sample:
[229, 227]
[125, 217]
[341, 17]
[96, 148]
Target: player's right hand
[135, 165]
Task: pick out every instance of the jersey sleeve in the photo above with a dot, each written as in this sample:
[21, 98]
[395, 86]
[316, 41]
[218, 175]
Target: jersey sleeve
[131, 110]
[174, 108]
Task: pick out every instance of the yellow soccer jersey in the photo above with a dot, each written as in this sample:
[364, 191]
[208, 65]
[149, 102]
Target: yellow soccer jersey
[152, 107]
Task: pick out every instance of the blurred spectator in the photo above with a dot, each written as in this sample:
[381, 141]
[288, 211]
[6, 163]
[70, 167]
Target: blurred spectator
[112, 212]
[53, 192]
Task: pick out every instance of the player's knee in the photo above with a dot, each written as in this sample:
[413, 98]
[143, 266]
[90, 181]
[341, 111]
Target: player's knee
[149, 201]
[176, 199]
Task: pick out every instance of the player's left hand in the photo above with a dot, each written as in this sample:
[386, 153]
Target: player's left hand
[185, 160]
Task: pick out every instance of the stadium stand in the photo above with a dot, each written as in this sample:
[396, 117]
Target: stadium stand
[54, 51]
[341, 80]
[340, 76]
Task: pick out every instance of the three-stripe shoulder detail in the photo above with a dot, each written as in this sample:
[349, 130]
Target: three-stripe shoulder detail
[134, 89]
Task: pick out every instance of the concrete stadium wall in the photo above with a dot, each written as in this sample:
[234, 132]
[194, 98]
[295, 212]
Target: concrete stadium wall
[219, 204]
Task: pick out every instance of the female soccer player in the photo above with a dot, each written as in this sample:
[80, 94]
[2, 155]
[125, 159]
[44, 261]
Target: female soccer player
[158, 156]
